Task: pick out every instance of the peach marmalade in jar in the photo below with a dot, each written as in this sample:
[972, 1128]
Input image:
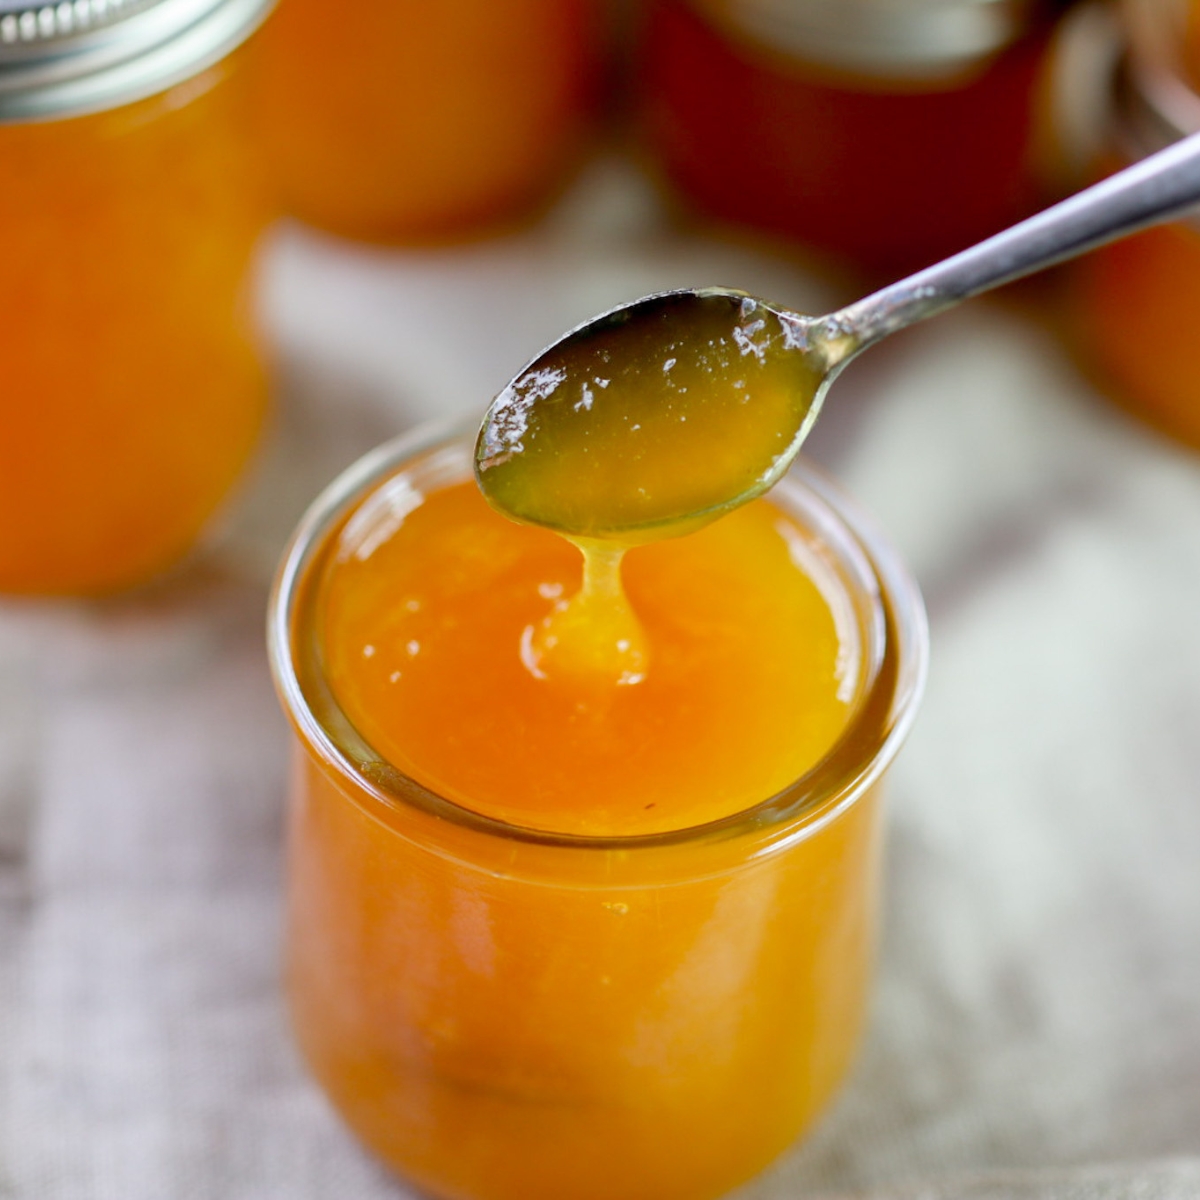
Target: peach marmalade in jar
[1134, 306]
[881, 134]
[560, 936]
[132, 391]
[410, 121]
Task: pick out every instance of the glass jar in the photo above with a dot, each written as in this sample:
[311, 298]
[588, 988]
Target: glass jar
[508, 1014]
[1134, 305]
[398, 120]
[132, 199]
[882, 133]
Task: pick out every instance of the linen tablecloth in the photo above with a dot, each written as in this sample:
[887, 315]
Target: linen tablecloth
[1036, 1030]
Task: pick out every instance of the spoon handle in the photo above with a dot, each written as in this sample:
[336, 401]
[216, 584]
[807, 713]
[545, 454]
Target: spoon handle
[1155, 189]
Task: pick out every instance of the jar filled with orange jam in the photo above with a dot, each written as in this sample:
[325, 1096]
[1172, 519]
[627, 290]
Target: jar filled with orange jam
[1135, 304]
[405, 121]
[581, 937]
[132, 200]
[881, 134]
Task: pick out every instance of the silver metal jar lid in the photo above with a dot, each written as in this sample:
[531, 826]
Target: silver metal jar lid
[894, 38]
[79, 56]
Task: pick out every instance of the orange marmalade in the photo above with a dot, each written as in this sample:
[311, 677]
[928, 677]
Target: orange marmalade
[132, 391]
[558, 934]
[401, 121]
[1133, 304]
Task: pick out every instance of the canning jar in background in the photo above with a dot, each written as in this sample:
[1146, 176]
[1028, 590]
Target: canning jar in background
[507, 1014]
[131, 391]
[882, 133]
[1134, 305]
[405, 121]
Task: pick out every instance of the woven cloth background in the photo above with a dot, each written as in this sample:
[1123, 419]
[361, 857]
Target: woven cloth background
[1036, 1032]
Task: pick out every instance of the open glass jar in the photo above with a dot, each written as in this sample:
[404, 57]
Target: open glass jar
[882, 133]
[404, 121]
[505, 1013]
[132, 200]
[1135, 304]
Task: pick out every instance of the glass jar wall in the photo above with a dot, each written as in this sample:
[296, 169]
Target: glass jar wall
[395, 120]
[505, 1013]
[1134, 305]
[133, 389]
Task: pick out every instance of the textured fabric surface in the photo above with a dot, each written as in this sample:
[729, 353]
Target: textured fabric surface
[1036, 1031]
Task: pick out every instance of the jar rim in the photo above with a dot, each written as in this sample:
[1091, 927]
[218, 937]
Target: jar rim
[75, 57]
[900, 39]
[891, 698]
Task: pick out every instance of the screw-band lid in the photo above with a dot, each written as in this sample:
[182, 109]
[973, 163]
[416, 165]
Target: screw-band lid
[78, 56]
[892, 38]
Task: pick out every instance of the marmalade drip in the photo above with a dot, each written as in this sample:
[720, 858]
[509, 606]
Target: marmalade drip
[734, 678]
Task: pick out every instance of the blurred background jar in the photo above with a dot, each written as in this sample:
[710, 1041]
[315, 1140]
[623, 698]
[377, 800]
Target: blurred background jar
[881, 133]
[409, 121]
[1134, 306]
[131, 391]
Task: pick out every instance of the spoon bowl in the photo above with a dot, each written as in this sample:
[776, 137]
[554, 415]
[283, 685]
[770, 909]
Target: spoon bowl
[599, 435]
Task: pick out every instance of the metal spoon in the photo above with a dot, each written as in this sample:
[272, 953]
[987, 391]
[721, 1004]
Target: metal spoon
[593, 438]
